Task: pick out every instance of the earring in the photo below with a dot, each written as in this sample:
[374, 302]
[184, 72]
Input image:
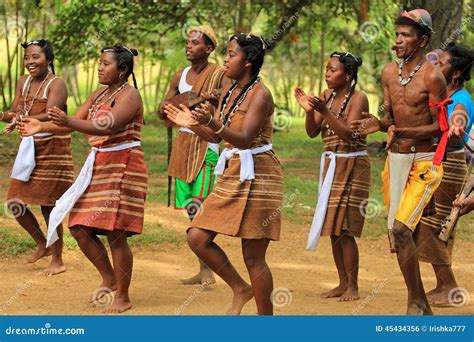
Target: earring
[455, 82]
[120, 75]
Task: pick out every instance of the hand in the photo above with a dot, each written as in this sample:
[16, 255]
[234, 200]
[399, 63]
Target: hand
[457, 130]
[210, 97]
[302, 99]
[58, 117]
[29, 126]
[367, 125]
[180, 116]
[203, 113]
[390, 136]
[466, 205]
[318, 105]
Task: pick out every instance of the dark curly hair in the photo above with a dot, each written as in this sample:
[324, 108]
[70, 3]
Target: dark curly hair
[461, 60]
[46, 47]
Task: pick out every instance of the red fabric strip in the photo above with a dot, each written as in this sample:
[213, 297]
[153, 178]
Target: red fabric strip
[442, 114]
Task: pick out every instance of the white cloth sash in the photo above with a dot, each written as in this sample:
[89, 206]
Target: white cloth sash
[25, 158]
[213, 146]
[324, 191]
[247, 170]
[65, 204]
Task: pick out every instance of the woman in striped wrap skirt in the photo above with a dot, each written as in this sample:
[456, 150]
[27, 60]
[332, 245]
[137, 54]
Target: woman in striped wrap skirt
[52, 174]
[246, 201]
[114, 200]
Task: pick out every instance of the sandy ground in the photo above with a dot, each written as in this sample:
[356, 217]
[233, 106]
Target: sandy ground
[300, 276]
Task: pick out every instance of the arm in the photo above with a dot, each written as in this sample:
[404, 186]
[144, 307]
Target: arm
[10, 114]
[313, 119]
[436, 86]
[172, 91]
[387, 120]
[57, 97]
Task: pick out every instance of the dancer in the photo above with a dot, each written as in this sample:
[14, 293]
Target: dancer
[247, 199]
[108, 197]
[193, 159]
[345, 168]
[412, 170]
[43, 168]
[455, 63]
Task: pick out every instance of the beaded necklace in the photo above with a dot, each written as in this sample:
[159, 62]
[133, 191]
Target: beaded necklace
[343, 105]
[96, 105]
[25, 103]
[230, 114]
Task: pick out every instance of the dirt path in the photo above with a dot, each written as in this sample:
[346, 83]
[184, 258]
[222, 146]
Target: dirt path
[155, 291]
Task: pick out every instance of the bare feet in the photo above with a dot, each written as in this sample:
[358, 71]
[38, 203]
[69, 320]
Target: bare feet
[240, 298]
[120, 304]
[103, 296]
[335, 292]
[203, 277]
[41, 252]
[416, 310]
[441, 299]
[54, 267]
[350, 294]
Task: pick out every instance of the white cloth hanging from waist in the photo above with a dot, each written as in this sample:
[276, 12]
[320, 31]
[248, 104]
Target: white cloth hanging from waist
[214, 147]
[65, 204]
[246, 160]
[25, 158]
[324, 191]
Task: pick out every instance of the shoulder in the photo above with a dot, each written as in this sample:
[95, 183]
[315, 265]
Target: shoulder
[177, 76]
[389, 70]
[58, 83]
[326, 94]
[432, 74]
[130, 93]
[359, 96]
[261, 91]
[22, 80]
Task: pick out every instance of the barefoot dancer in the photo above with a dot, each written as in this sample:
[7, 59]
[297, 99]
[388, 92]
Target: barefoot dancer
[43, 168]
[455, 64]
[412, 170]
[108, 197]
[193, 159]
[247, 199]
[345, 190]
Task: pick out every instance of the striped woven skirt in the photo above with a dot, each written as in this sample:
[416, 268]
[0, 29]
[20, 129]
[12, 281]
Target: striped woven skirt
[429, 247]
[52, 175]
[249, 210]
[349, 196]
[115, 198]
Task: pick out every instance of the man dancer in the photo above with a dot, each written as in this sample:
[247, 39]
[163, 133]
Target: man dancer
[192, 159]
[412, 170]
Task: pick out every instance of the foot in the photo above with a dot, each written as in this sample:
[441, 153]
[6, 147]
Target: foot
[335, 292]
[203, 277]
[55, 267]
[240, 298]
[119, 305]
[432, 294]
[417, 310]
[442, 299]
[41, 252]
[105, 289]
[350, 294]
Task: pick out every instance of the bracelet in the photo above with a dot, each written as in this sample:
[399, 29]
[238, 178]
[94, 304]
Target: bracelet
[210, 119]
[218, 132]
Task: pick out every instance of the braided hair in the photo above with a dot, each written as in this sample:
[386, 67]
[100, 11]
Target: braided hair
[46, 47]
[253, 48]
[351, 65]
[124, 57]
[461, 60]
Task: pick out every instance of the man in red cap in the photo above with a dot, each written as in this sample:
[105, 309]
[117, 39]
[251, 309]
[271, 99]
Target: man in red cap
[413, 88]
